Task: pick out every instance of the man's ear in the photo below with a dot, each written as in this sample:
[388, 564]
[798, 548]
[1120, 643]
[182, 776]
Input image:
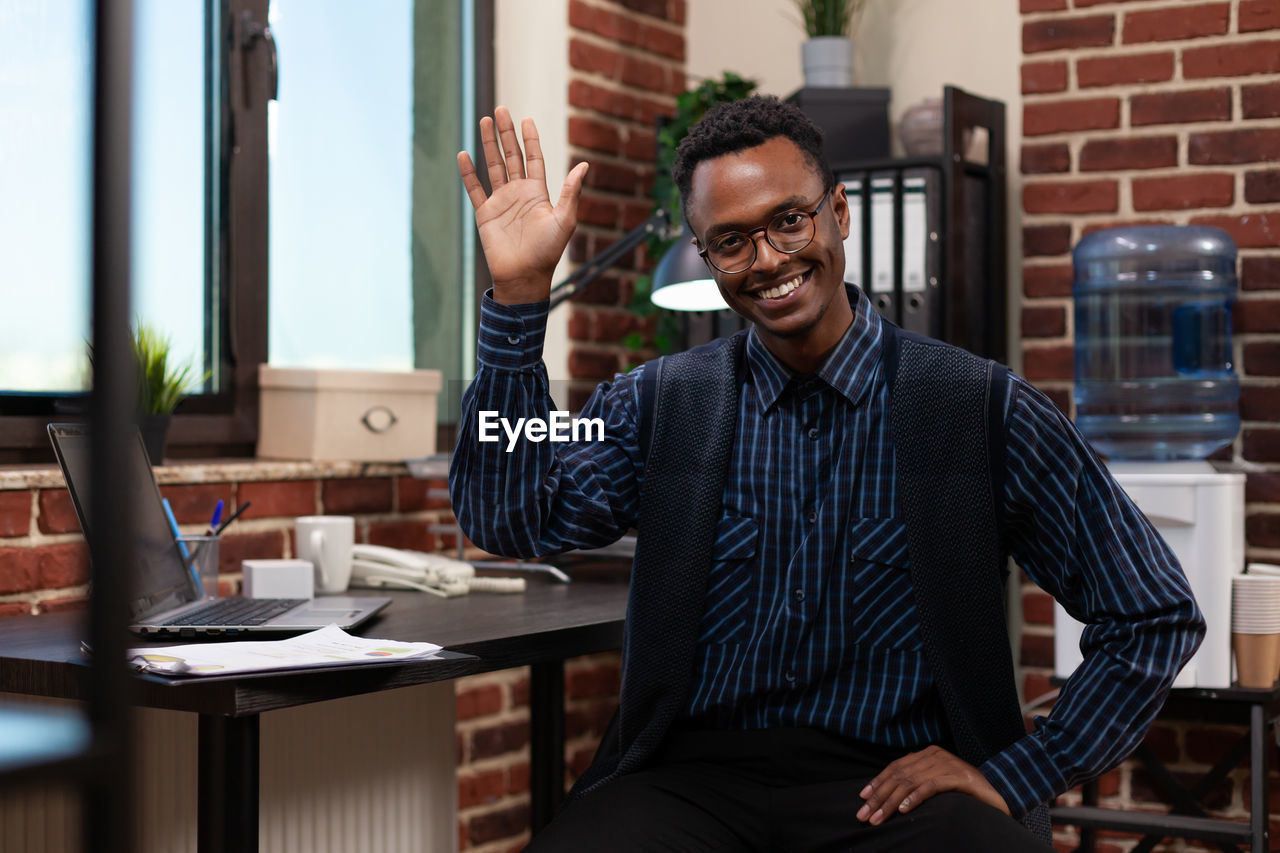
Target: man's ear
[840, 207]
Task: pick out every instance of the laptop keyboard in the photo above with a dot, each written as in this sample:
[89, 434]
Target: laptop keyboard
[236, 611]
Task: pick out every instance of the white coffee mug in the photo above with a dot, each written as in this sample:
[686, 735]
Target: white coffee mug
[326, 541]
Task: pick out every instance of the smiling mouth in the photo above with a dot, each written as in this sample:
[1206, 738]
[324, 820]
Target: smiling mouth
[782, 289]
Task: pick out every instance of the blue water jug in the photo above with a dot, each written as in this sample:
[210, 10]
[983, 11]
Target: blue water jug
[1153, 341]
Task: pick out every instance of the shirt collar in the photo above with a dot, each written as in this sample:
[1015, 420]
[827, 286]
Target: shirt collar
[849, 368]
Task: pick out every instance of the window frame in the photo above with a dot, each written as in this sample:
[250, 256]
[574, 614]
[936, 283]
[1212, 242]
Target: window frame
[235, 157]
[225, 424]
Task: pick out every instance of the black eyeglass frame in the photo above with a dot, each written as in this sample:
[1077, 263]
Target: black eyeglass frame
[703, 252]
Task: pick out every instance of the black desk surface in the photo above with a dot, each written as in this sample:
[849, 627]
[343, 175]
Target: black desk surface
[40, 655]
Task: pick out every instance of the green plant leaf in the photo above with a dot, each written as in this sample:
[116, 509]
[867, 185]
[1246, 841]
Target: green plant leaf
[161, 383]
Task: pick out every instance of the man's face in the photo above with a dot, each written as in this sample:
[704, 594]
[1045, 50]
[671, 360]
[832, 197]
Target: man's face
[745, 190]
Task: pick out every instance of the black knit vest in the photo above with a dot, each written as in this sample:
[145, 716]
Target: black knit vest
[947, 414]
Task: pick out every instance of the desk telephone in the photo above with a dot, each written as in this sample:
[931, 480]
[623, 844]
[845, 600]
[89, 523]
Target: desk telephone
[378, 567]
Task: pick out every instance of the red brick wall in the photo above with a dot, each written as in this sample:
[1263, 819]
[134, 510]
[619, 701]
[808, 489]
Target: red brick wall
[44, 560]
[626, 66]
[1151, 111]
[493, 746]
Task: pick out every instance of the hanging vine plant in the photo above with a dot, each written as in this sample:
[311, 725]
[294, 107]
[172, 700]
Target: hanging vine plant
[691, 106]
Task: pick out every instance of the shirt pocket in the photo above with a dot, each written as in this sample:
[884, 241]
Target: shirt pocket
[729, 582]
[884, 606]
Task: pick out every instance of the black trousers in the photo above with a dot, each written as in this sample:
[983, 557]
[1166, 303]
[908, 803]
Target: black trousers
[772, 791]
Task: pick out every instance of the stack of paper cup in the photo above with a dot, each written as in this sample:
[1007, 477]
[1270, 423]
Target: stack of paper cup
[1255, 628]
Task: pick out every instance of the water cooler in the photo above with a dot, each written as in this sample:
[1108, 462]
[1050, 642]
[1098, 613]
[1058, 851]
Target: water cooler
[1155, 393]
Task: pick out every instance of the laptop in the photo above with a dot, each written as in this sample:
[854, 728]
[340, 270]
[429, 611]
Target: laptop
[166, 603]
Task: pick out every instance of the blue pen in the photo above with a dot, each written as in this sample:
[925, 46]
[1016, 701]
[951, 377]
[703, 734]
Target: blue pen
[217, 517]
[182, 546]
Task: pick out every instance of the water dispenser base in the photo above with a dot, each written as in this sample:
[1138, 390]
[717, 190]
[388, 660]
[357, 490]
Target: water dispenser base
[1200, 513]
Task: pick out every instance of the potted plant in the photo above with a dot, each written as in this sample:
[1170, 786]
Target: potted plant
[161, 385]
[828, 53]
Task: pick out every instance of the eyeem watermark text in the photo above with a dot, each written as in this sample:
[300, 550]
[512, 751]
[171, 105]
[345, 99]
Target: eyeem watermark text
[560, 427]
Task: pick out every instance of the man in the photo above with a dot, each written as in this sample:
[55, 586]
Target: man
[809, 716]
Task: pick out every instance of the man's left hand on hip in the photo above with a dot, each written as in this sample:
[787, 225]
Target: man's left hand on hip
[917, 776]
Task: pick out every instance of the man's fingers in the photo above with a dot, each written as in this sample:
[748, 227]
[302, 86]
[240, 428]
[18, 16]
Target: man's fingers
[906, 783]
[567, 206]
[883, 804]
[919, 794]
[470, 180]
[901, 795]
[533, 151]
[900, 781]
[510, 144]
[492, 153]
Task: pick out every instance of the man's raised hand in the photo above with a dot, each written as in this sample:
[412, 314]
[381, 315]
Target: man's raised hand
[523, 236]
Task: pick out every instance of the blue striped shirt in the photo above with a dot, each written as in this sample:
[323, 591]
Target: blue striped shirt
[809, 618]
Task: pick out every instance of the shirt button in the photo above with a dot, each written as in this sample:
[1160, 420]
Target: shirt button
[798, 595]
[813, 433]
[790, 676]
[513, 339]
[812, 515]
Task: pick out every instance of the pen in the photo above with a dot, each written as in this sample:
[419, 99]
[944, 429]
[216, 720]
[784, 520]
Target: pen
[233, 517]
[182, 546]
[217, 517]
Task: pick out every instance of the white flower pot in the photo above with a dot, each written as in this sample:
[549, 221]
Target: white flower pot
[828, 61]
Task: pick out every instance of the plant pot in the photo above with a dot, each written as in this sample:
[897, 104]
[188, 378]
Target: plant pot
[828, 61]
[155, 431]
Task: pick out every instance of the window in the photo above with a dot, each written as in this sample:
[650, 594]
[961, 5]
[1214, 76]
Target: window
[368, 233]
[369, 237]
[46, 90]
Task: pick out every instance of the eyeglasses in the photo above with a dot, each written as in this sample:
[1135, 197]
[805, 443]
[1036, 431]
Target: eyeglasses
[788, 232]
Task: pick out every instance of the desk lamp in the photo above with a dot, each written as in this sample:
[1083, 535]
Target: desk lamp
[681, 281]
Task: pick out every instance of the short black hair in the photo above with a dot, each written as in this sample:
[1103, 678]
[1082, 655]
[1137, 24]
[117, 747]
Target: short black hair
[738, 125]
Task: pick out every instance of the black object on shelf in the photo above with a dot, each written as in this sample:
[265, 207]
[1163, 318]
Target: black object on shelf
[591, 270]
[854, 120]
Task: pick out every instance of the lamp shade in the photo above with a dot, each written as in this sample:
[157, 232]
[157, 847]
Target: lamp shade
[682, 281]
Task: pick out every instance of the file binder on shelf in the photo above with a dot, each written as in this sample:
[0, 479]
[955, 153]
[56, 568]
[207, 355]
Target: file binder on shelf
[933, 230]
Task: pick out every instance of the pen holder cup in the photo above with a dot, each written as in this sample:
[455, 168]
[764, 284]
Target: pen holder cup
[201, 556]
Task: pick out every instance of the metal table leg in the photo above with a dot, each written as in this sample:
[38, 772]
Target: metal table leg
[1258, 761]
[228, 787]
[1088, 834]
[546, 735]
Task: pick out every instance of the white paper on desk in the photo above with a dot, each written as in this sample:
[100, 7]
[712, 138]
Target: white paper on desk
[328, 646]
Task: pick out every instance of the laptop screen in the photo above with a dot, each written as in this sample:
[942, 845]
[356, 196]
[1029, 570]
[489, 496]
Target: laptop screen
[162, 579]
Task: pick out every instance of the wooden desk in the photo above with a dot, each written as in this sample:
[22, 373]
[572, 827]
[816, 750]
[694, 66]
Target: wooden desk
[40, 655]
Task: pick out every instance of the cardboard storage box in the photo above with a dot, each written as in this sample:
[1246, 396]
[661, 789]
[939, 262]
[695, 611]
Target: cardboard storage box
[361, 415]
